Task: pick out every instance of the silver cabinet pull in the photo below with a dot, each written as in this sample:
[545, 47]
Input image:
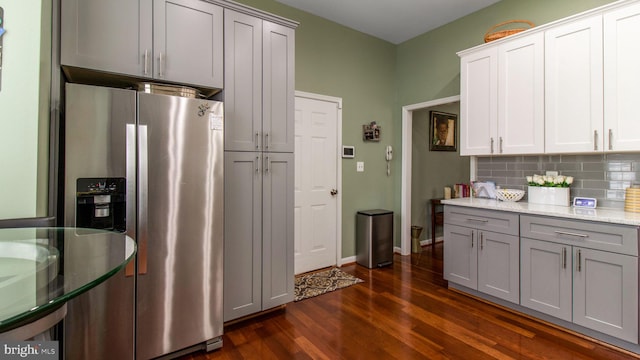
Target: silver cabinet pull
[564, 257]
[481, 241]
[500, 144]
[595, 139]
[266, 165]
[579, 261]
[257, 164]
[146, 61]
[610, 139]
[160, 70]
[472, 232]
[257, 140]
[266, 140]
[571, 234]
[492, 145]
[478, 220]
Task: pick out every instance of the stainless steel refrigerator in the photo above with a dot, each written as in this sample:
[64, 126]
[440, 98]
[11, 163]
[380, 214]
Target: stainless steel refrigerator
[150, 165]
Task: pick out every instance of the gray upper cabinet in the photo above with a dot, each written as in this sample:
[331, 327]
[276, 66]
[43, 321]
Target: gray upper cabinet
[178, 41]
[259, 84]
[91, 39]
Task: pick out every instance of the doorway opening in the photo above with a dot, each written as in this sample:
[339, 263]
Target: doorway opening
[407, 148]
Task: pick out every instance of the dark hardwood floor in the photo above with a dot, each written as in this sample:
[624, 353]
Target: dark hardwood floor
[400, 312]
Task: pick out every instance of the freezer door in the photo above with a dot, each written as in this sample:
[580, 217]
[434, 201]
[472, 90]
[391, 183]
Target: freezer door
[180, 227]
[99, 143]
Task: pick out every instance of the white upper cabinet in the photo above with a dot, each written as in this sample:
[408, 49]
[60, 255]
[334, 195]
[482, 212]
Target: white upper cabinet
[521, 96]
[567, 87]
[479, 102]
[622, 76]
[573, 81]
[502, 98]
[179, 41]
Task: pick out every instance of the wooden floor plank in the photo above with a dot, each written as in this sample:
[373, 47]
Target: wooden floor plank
[403, 311]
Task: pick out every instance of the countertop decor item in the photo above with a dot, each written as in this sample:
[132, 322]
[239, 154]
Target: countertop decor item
[493, 34]
[549, 189]
[509, 194]
[632, 199]
[550, 180]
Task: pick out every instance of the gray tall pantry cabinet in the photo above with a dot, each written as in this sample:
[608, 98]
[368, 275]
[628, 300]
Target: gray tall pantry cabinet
[179, 41]
[259, 160]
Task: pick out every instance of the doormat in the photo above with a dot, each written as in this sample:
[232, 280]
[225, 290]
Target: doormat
[322, 282]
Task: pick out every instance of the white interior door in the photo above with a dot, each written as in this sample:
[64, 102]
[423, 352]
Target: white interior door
[316, 183]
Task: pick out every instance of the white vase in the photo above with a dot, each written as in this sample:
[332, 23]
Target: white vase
[549, 195]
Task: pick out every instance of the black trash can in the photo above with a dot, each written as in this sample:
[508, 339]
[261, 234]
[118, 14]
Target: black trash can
[374, 238]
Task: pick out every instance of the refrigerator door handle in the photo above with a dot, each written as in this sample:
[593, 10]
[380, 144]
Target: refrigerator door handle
[130, 190]
[143, 199]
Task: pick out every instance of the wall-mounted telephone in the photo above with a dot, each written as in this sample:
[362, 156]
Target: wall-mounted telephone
[389, 153]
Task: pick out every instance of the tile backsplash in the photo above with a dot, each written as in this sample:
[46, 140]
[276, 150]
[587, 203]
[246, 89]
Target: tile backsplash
[604, 177]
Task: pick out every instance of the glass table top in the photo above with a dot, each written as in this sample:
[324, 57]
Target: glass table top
[43, 268]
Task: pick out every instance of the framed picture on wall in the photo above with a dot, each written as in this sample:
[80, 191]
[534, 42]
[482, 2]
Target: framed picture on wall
[442, 131]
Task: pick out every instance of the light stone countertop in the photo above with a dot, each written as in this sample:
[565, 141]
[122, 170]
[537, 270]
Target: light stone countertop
[608, 215]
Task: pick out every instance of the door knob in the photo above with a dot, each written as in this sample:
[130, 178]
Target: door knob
[334, 192]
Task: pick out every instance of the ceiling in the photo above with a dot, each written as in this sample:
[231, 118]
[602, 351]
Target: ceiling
[392, 20]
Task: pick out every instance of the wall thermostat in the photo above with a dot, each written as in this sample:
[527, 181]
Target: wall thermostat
[348, 152]
[585, 202]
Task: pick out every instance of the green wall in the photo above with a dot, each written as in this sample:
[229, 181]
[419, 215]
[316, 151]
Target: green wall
[428, 68]
[337, 61]
[24, 108]
[375, 79]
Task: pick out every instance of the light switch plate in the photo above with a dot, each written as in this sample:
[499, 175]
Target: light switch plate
[360, 166]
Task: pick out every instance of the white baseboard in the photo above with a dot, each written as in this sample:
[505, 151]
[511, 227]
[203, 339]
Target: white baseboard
[428, 241]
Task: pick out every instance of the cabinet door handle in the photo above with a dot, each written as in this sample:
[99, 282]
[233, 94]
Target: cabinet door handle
[257, 164]
[492, 145]
[257, 140]
[564, 257]
[579, 261]
[266, 165]
[478, 220]
[266, 140]
[481, 241]
[472, 233]
[595, 139]
[146, 61]
[610, 139]
[160, 74]
[500, 144]
[571, 234]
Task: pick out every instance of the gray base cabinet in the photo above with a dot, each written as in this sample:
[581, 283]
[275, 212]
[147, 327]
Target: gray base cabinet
[178, 41]
[582, 272]
[258, 252]
[546, 276]
[483, 260]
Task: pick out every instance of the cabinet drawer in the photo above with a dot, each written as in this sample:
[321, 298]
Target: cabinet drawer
[621, 239]
[497, 221]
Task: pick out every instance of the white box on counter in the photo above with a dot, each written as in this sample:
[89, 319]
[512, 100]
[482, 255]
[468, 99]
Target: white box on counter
[549, 195]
